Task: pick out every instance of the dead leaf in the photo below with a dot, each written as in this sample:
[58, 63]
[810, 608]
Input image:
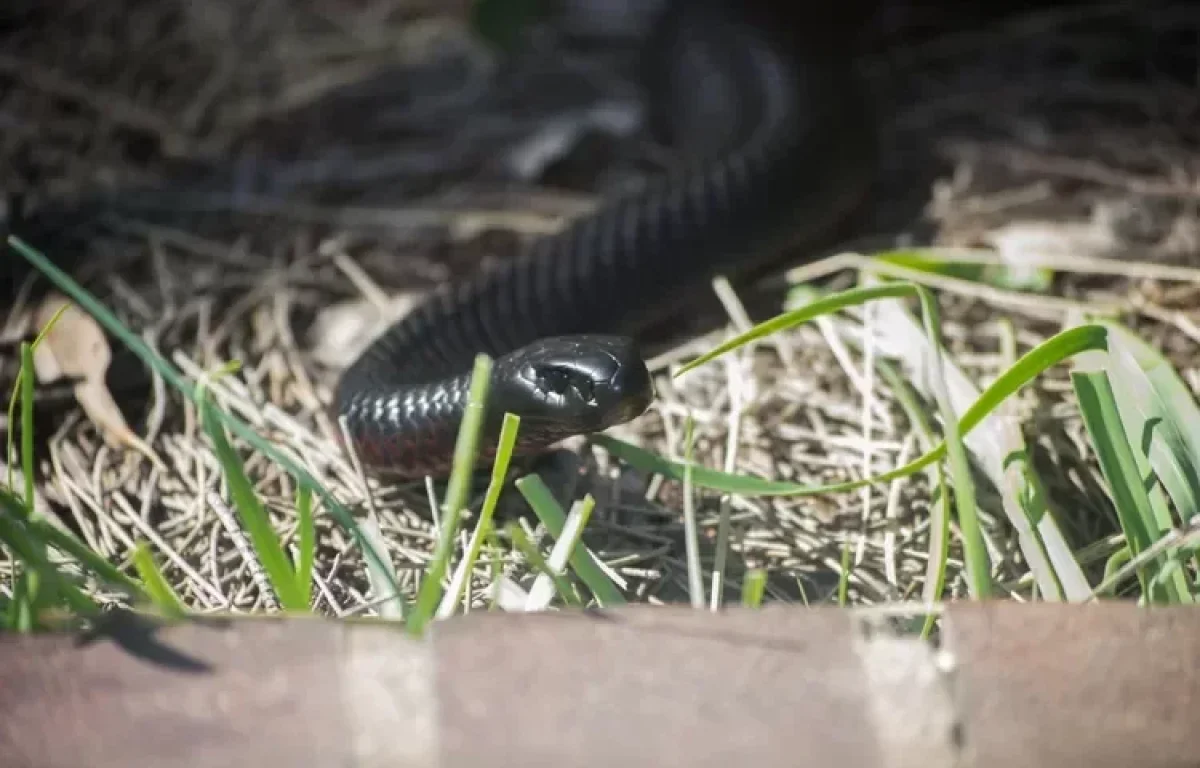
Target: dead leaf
[75, 348]
[342, 331]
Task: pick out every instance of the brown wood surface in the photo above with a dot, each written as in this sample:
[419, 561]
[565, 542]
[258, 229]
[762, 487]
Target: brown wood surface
[1028, 686]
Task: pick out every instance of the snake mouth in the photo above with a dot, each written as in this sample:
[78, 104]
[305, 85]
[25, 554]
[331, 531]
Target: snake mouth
[629, 409]
[636, 391]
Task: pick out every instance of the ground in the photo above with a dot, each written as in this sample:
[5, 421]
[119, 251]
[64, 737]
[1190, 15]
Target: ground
[1052, 141]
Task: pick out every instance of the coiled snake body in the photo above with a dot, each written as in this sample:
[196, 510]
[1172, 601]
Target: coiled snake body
[779, 146]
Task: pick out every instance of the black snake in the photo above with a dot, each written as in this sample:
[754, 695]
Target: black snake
[779, 147]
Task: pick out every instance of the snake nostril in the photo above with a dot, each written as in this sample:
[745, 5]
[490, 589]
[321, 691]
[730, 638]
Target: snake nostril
[553, 380]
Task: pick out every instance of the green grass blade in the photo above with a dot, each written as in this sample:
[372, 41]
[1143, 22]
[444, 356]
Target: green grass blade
[993, 446]
[43, 584]
[1102, 420]
[252, 514]
[105, 318]
[25, 609]
[23, 392]
[1152, 425]
[844, 575]
[939, 501]
[1159, 451]
[975, 553]
[1057, 574]
[944, 262]
[1176, 395]
[560, 553]
[691, 537]
[27, 381]
[583, 561]
[1115, 562]
[1171, 422]
[21, 616]
[509, 430]
[37, 587]
[65, 542]
[1047, 354]
[561, 585]
[391, 606]
[1051, 561]
[466, 449]
[306, 544]
[754, 586]
[159, 591]
[786, 320]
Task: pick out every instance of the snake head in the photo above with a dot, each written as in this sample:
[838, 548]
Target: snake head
[574, 384]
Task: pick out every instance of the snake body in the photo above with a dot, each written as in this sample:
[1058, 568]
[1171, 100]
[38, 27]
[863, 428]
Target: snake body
[779, 147]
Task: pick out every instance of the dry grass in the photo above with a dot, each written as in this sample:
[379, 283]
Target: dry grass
[1027, 139]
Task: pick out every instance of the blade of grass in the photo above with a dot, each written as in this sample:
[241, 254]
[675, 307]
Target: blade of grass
[466, 449]
[754, 586]
[252, 514]
[581, 511]
[159, 591]
[1175, 418]
[1151, 425]
[110, 323]
[691, 535]
[21, 616]
[38, 586]
[24, 393]
[1118, 465]
[68, 544]
[974, 551]
[939, 502]
[1057, 574]
[1167, 551]
[844, 575]
[585, 564]
[1115, 562]
[390, 606]
[1177, 396]
[53, 586]
[306, 544]
[944, 262]
[800, 315]
[27, 377]
[1155, 454]
[531, 554]
[509, 429]
[33, 586]
[1051, 352]
[920, 340]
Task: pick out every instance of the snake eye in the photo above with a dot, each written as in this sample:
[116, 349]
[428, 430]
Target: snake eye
[560, 380]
